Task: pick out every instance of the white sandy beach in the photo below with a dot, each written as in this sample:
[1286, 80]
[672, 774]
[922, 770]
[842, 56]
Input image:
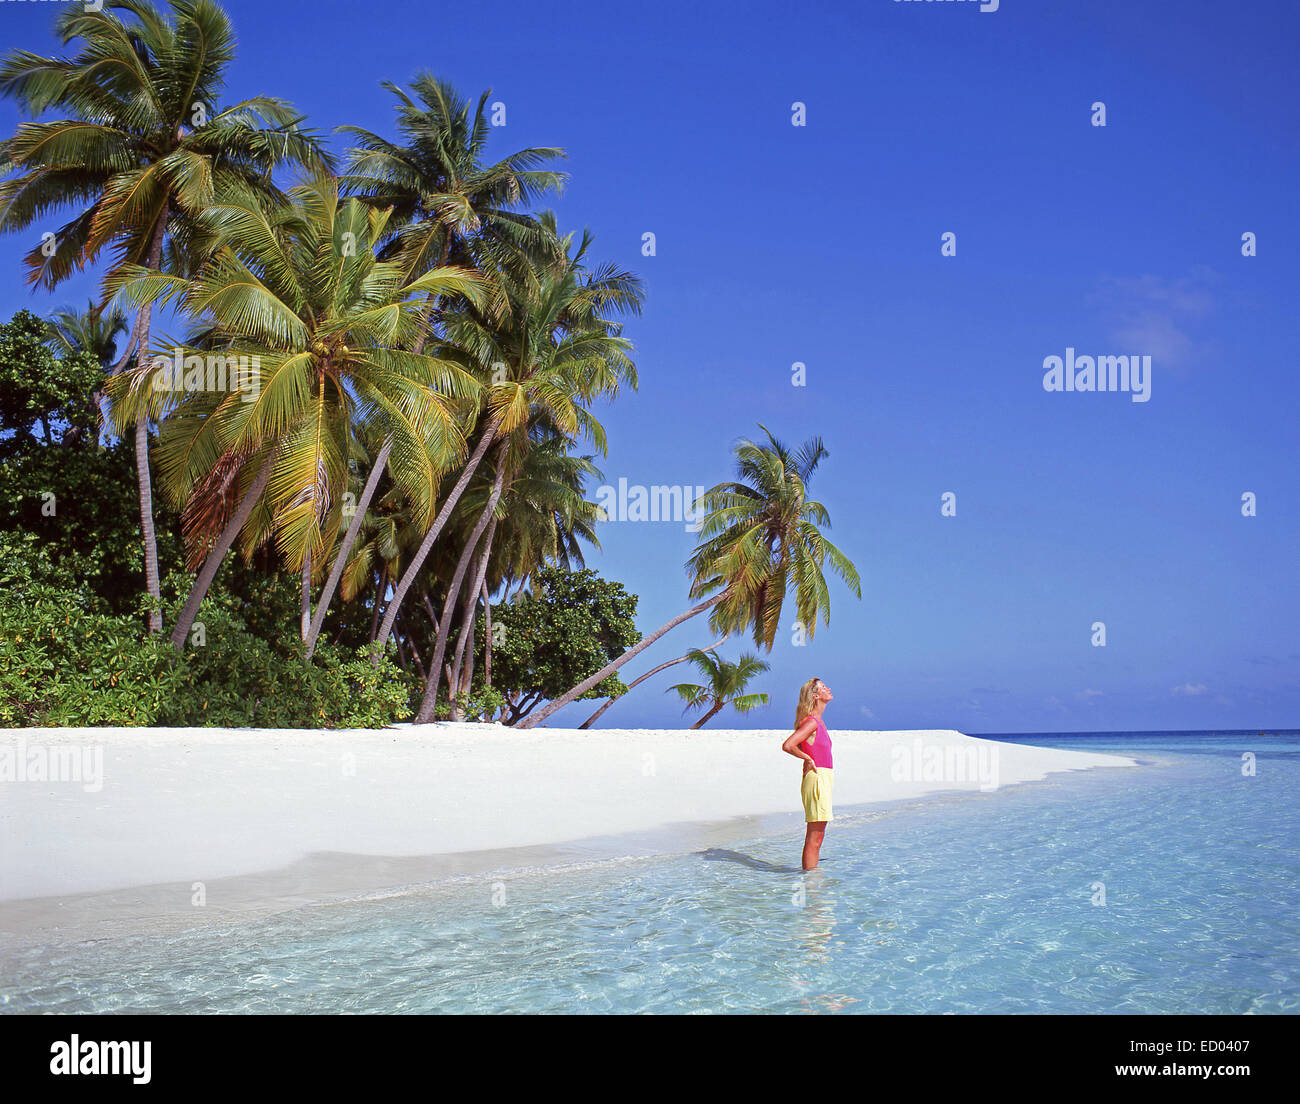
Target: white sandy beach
[171, 807]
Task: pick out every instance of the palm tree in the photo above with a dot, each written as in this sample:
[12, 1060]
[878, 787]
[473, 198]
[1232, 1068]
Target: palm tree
[649, 674]
[552, 353]
[726, 683]
[448, 206]
[442, 201]
[93, 331]
[143, 151]
[760, 537]
[298, 292]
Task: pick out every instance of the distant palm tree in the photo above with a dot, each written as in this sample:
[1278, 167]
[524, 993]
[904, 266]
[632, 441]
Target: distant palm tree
[641, 678]
[726, 683]
[760, 538]
[144, 150]
[92, 331]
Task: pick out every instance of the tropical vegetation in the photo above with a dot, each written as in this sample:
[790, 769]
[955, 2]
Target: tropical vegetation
[354, 487]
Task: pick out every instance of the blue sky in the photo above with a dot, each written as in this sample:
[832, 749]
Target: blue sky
[821, 244]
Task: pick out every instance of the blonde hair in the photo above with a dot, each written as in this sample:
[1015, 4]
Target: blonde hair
[807, 700]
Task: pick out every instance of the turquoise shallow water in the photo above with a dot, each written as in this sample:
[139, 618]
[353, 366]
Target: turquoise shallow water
[984, 903]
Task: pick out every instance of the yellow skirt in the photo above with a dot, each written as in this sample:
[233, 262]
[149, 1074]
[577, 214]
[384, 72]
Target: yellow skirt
[816, 793]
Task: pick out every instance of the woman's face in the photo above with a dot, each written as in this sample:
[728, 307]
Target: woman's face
[824, 692]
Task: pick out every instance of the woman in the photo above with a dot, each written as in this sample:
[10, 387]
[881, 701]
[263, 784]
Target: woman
[812, 743]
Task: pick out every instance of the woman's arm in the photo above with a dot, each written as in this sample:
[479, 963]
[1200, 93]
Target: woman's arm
[798, 736]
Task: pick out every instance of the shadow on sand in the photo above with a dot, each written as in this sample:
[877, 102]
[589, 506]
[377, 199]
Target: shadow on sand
[718, 854]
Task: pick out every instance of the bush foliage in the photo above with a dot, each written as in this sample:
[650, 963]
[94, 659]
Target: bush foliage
[66, 662]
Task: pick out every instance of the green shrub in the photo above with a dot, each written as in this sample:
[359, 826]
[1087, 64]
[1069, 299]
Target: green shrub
[482, 705]
[63, 662]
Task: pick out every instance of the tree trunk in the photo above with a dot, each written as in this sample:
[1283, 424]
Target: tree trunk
[145, 484]
[465, 659]
[425, 715]
[415, 654]
[218, 553]
[637, 682]
[640, 646]
[306, 594]
[453, 678]
[413, 568]
[349, 538]
[151, 578]
[379, 597]
[487, 636]
[521, 707]
[708, 716]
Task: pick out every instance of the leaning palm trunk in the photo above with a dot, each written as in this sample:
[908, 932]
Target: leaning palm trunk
[218, 553]
[465, 656]
[637, 681]
[413, 569]
[487, 637]
[341, 560]
[708, 716]
[534, 719]
[427, 703]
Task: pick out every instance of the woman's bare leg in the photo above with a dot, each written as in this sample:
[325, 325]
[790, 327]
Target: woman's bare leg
[812, 844]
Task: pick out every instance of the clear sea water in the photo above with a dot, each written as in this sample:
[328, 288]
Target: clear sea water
[984, 903]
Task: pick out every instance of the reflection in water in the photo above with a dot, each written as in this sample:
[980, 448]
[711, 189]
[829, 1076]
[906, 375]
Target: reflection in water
[814, 899]
[814, 894]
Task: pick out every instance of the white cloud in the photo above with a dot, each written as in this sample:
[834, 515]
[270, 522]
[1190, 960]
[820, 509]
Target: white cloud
[1191, 690]
[1157, 316]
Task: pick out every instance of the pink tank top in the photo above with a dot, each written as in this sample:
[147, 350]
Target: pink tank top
[819, 747]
